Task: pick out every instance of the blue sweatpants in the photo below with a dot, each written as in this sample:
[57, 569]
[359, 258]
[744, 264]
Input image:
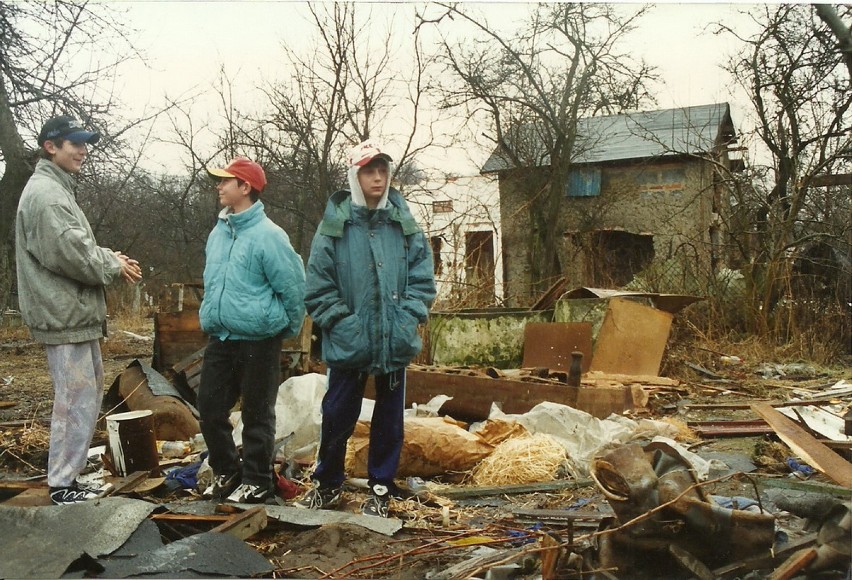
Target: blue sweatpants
[341, 406]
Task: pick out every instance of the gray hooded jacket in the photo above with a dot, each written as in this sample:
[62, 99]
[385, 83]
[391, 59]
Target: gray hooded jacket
[61, 270]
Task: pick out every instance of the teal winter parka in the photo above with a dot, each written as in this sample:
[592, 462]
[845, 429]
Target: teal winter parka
[369, 283]
[254, 282]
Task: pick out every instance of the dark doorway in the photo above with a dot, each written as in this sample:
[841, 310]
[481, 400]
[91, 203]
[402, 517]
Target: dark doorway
[479, 265]
[614, 257]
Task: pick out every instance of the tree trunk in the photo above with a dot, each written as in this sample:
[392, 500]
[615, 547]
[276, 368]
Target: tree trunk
[18, 171]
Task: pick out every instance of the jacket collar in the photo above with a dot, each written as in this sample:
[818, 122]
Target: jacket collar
[244, 219]
[52, 170]
[339, 210]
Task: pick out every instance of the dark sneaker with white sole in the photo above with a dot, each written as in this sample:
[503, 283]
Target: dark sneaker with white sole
[223, 485]
[248, 493]
[377, 502]
[71, 494]
[320, 498]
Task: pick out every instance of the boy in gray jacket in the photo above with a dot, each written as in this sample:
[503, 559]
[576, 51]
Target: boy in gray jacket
[61, 277]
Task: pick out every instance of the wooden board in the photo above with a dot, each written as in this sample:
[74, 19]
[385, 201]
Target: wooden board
[32, 497]
[632, 339]
[549, 344]
[806, 446]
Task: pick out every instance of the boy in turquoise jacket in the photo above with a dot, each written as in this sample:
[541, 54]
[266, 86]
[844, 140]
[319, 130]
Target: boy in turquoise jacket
[369, 284]
[254, 288]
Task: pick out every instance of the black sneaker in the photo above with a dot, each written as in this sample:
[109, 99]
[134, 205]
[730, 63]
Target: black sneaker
[320, 498]
[222, 486]
[71, 494]
[377, 502]
[248, 493]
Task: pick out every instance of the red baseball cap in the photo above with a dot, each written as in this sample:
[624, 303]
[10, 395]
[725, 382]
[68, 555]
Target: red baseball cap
[245, 169]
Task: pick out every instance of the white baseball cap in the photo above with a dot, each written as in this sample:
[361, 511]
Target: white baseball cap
[365, 152]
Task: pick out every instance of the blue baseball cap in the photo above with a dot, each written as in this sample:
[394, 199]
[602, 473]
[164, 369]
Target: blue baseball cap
[65, 127]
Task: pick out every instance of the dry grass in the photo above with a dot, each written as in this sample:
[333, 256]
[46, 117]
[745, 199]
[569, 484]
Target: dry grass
[525, 459]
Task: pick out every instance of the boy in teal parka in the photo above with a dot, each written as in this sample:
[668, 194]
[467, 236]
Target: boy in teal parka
[369, 284]
[254, 287]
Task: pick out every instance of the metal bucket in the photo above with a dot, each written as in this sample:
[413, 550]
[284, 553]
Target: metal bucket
[132, 441]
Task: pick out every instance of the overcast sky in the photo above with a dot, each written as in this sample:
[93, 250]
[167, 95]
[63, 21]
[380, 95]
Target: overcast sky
[187, 43]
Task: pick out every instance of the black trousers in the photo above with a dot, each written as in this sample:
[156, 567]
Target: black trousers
[248, 371]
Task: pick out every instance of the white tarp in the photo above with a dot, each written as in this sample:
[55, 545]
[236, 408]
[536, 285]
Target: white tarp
[582, 434]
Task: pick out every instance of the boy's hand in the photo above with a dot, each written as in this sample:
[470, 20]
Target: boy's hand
[130, 269]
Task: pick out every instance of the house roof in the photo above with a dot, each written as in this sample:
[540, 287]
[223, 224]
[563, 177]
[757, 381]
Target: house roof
[641, 135]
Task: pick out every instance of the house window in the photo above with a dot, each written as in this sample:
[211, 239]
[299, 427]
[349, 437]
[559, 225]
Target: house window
[584, 182]
[445, 206]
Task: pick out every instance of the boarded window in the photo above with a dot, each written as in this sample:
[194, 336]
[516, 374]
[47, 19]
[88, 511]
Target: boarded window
[445, 206]
[583, 182]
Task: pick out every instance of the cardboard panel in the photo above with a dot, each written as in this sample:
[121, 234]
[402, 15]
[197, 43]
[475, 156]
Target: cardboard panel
[549, 344]
[632, 339]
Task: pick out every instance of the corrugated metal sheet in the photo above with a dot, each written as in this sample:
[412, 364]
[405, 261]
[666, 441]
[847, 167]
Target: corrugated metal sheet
[642, 135]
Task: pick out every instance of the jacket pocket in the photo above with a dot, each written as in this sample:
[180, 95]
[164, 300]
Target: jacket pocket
[346, 345]
[405, 342]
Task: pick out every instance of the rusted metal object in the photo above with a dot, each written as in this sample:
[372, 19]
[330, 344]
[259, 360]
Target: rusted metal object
[657, 488]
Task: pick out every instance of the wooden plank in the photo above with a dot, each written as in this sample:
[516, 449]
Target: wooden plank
[809, 486]
[460, 492]
[806, 446]
[649, 380]
[17, 486]
[559, 515]
[185, 320]
[473, 395]
[748, 404]
[244, 525]
[794, 564]
[30, 498]
[763, 562]
[192, 518]
[129, 483]
[632, 339]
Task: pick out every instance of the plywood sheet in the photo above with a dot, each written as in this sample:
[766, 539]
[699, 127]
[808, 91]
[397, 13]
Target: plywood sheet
[632, 339]
[549, 344]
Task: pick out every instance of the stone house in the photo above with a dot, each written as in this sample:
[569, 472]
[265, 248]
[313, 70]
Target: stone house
[643, 197]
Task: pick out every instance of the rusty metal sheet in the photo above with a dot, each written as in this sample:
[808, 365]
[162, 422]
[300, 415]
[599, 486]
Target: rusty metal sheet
[549, 344]
[473, 396]
[746, 428]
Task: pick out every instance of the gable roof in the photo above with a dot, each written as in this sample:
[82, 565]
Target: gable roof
[643, 134]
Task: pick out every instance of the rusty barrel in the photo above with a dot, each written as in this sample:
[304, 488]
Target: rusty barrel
[132, 441]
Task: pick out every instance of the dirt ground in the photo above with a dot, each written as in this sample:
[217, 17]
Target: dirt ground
[348, 550]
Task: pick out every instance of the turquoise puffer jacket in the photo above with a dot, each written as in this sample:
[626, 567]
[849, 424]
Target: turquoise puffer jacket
[254, 282]
[369, 283]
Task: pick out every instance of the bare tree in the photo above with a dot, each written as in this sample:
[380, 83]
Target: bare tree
[51, 61]
[799, 88]
[341, 91]
[533, 86]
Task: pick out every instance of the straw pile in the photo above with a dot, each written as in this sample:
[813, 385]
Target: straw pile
[525, 459]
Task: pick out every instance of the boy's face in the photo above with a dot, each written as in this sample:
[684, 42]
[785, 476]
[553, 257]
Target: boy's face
[234, 195]
[68, 156]
[373, 179]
